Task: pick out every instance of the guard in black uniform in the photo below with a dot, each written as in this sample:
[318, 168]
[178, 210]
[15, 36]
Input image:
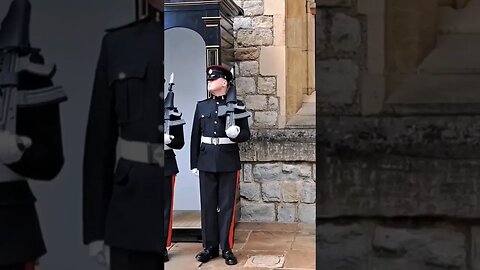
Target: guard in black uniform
[123, 199]
[215, 158]
[173, 139]
[33, 150]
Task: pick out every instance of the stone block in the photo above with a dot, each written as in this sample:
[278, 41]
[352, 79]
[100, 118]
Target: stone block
[245, 85]
[244, 54]
[346, 33]
[271, 192]
[255, 37]
[248, 68]
[247, 172]
[264, 172]
[344, 247]
[290, 192]
[267, 85]
[256, 102]
[250, 191]
[337, 81]
[242, 23]
[267, 118]
[262, 22]
[306, 213]
[254, 211]
[287, 212]
[309, 192]
[253, 8]
[400, 248]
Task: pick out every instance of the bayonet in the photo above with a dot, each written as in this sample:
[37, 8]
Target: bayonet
[169, 106]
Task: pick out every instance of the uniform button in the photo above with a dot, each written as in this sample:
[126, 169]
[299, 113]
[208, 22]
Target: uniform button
[218, 102]
[122, 75]
[203, 115]
[214, 132]
[215, 111]
[215, 122]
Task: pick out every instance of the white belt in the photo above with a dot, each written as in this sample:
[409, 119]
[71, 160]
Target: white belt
[7, 175]
[138, 151]
[215, 141]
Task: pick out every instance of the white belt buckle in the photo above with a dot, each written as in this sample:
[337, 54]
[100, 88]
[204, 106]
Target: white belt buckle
[215, 141]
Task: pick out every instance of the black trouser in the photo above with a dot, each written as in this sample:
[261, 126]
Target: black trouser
[121, 259]
[218, 192]
[20, 266]
[168, 191]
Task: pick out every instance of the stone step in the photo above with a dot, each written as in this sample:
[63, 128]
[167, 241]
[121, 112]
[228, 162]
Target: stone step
[307, 109]
[454, 54]
[302, 121]
[310, 98]
[434, 89]
[465, 20]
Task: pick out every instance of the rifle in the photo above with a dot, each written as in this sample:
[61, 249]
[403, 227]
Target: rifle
[229, 108]
[169, 107]
[15, 54]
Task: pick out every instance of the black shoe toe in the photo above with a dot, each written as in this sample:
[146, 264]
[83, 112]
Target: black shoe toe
[230, 259]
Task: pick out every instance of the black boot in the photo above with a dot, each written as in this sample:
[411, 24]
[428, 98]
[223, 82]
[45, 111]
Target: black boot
[230, 259]
[207, 254]
[165, 256]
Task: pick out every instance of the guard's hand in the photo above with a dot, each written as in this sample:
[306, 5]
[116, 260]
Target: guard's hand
[167, 139]
[195, 171]
[232, 132]
[12, 147]
[100, 251]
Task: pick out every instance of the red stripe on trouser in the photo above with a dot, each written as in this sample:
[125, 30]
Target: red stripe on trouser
[169, 236]
[30, 266]
[232, 225]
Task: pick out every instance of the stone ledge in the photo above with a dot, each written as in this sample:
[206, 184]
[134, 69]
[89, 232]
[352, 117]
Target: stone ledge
[448, 137]
[279, 145]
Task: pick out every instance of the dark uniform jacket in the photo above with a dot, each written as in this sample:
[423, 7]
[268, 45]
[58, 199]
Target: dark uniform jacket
[171, 167]
[123, 201]
[20, 234]
[215, 158]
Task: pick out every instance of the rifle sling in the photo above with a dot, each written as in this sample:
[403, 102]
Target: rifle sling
[242, 115]
[37, 97]
[177, 123]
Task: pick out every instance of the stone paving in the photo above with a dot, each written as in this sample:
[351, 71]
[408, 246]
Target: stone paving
[258, 246]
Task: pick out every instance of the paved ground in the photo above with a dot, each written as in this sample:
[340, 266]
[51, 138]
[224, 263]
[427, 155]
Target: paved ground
[257, 246]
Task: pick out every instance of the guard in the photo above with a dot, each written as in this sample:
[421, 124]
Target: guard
[219, 124]
[30, 138]
[173, 139]
[123, 199]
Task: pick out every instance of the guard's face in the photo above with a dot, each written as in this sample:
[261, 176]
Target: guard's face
[217, 87]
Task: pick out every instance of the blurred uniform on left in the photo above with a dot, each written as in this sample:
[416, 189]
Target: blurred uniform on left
[30, 138]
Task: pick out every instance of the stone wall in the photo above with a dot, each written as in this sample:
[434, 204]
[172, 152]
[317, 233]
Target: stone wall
[395, 191]
[278, 171]
[418, 244]
[278, 180]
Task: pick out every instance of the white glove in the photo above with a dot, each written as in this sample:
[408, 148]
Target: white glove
[9, 151]
[167, 138]
[232, 132]
[195, 171]
[100, 251]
